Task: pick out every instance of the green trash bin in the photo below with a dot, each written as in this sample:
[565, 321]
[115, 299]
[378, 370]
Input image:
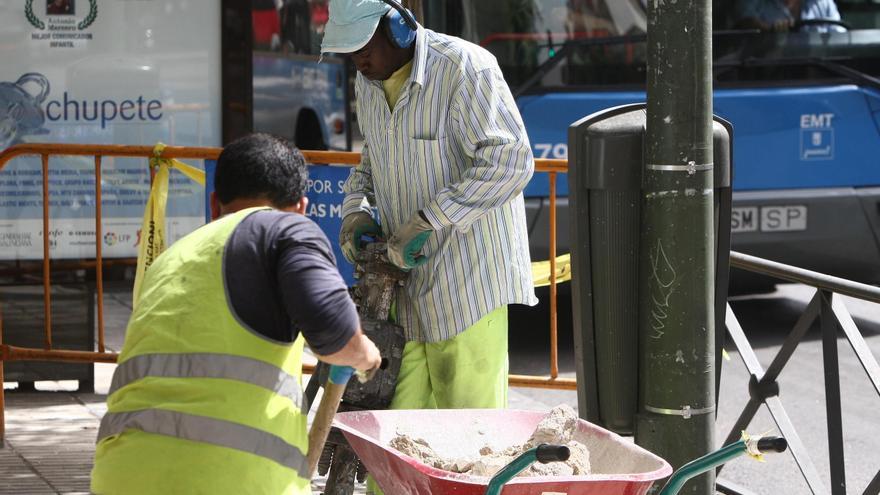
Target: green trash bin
[606, 155]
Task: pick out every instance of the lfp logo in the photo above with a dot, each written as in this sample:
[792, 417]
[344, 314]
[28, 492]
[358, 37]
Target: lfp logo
[112, 238]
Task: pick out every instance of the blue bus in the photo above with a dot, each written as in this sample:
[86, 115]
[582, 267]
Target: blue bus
[804, 103]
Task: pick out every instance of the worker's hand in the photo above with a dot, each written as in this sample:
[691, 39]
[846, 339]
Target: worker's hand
[371, 363]
[405, 246]
[355, 225]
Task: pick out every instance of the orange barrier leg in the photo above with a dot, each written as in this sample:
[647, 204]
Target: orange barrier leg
[554, 340]
[47, 282]
[99, 255]
[2, 409]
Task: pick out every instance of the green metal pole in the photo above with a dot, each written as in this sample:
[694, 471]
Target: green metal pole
[676, 326]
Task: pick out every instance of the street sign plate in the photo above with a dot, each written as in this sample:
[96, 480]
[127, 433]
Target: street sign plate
[782, 218]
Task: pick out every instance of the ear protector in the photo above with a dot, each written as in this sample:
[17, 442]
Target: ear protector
[399, 24]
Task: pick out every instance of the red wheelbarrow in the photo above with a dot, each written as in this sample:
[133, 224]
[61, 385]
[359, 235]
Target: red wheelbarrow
[619, 467]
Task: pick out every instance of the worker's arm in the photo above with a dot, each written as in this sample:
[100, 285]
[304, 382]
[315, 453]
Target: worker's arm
[358, 188]
[318, 303]
[357, 215]
[487, 125]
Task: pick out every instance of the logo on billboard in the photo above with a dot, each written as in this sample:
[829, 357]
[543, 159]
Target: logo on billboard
[62, 25]
[21, 111]
[112, 238]
[15, 240]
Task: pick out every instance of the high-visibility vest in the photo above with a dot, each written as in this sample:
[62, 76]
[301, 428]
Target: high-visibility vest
[199, 402]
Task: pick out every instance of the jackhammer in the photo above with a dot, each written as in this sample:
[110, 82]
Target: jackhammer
[377, 279]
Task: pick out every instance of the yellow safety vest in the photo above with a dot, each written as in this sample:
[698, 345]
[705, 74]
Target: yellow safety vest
[200, 403]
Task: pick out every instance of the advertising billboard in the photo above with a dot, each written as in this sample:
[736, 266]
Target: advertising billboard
[131, 72]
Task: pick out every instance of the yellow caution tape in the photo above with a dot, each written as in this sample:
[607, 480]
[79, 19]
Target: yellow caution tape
[541, 271]
[152, 239]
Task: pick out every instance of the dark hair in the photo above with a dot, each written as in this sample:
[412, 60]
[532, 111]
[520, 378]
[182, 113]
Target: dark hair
[261, 166]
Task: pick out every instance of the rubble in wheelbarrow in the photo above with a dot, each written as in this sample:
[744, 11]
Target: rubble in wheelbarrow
[557, 428]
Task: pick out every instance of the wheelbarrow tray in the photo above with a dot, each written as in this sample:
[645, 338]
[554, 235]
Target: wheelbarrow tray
[618, 465]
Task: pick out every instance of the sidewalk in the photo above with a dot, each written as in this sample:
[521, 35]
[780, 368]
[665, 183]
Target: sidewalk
[50, 438]
[50, 433]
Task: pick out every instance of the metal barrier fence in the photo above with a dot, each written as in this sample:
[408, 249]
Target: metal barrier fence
[827, 307]
[48, 353]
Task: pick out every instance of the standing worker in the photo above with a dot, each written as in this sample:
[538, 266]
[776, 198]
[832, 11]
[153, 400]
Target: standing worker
[207, 397]
[445, 160]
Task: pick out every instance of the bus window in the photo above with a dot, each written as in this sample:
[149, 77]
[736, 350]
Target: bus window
[524, 35]
[294, 95]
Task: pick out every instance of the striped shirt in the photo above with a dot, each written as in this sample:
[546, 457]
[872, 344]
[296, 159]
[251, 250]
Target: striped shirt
[455, 147]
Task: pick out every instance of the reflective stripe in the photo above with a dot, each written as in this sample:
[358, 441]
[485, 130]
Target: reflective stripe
[207, 430]
[209, 365]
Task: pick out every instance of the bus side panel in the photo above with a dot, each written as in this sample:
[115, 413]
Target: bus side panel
[801, 138]
[547, 118]
[805, 159]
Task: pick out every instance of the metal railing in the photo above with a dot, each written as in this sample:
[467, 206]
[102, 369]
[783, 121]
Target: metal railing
[828, 308]
[50, 353]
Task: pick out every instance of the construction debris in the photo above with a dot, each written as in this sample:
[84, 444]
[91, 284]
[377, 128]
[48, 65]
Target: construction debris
[557, 428]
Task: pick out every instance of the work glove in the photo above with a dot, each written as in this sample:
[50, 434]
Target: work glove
[405, 246]
[355, 225]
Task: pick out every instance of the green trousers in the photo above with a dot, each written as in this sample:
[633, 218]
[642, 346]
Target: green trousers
[468, 371]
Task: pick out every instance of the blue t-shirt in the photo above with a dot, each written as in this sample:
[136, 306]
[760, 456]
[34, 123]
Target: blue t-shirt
[281, 279]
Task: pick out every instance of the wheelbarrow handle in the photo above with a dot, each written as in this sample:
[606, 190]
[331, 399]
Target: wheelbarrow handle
[719, 457]
[773, 444]
[543, 453]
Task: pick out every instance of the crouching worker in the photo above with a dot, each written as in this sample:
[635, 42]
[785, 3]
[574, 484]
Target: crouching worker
[207, 397]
